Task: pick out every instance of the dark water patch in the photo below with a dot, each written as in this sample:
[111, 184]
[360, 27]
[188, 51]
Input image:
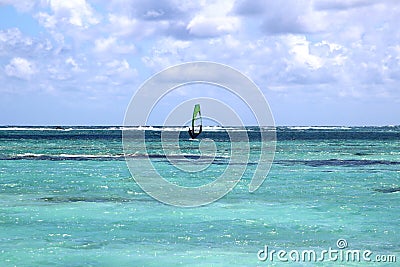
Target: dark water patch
[337, 162]
[66, 199]
[362, 154]
[102, 157]
[223, 162]
[63, 157]
[388, 190]
[192, 157]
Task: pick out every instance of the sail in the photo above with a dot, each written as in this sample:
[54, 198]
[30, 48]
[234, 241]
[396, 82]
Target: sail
[197, 122]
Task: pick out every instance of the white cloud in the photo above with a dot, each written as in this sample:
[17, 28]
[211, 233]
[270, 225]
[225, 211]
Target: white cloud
[283, 17]
[76, 12]
[202, 26]
[13, 38]
[167, 52]
[302, 49]
[115, 72]
[104, 44]
[64, 14]
[20, 68]
[21, 5]
[112, 45]
[153, 14]
[46, 20]
[299, 48]
[341, 4]
[123, 25]
[72, 63]
[117, 66]
[213, 19]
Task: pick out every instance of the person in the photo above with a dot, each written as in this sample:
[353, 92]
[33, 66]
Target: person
[192, 134]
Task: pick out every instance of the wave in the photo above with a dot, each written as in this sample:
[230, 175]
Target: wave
[181, 128]
[318, 127]
[118, 128]
[105, 157]
[59, 128]
[337, 162]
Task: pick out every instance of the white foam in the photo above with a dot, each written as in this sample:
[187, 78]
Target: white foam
[318, 127]
[25, 129]
[59, 129]
[119, 128]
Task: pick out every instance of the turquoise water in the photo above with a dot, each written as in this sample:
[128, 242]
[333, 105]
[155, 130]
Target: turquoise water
[68, 199]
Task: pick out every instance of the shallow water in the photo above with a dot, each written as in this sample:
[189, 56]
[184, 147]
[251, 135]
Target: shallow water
[68, 199]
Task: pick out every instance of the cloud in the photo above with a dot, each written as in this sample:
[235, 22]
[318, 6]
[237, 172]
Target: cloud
[21, 5]
[117, 66]
[12, 40]
[46, 20]
[104, 44]
[152, 10]
[75, 12]
[68, 23]
[141, 19]
[20, 68]
[73, 64]
[123, 25]
[214, 19]
[211, 27]
[294, 50]
[181, 20]
[341, 4]
[249, 8]
[166, 52]
[282, 17]
[115, 73]
[112, 45]
[301, 52]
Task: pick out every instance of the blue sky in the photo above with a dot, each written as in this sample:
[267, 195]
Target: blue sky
[317, 62]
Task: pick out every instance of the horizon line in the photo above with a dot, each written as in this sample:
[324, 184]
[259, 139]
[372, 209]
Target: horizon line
[250, 125]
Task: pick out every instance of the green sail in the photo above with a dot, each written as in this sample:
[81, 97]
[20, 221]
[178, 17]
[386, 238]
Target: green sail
[196, 122]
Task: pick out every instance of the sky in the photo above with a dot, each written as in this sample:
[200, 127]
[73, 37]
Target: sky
[317, 62]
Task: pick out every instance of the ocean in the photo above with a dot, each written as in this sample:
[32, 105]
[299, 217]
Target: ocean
[68, 199]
